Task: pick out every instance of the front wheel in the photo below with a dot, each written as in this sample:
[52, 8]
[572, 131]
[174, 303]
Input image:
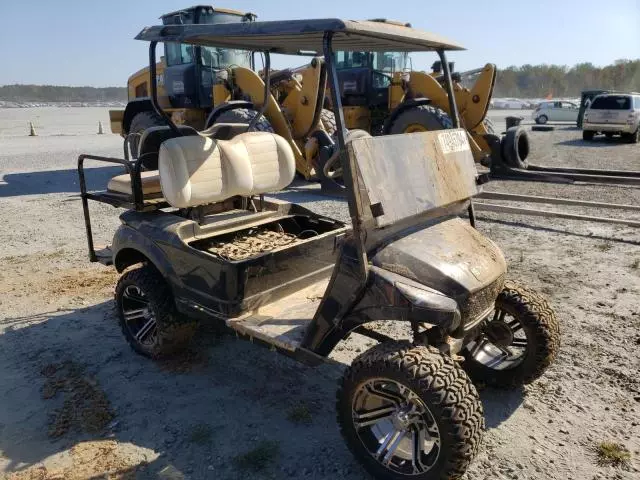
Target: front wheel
[409, 412]
[542, 119]
[519, 342]
[147, 314]
[587, 135]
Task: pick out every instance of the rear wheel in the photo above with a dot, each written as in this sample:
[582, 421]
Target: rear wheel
[587, 135]
[634, 137]
[147, 314]
[245, 115]
[609, 135]
[423, 118]
[328, 120]
[409, 412]
[139, 124]
[518, 344]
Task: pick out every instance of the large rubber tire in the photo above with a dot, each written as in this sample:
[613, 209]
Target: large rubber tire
[440, 385]
[533, 314]
[139, 124]
[489, 126]
[328, 120]
[173, 332]
[421, 118]
[633, 137]
[515, 147]
[587, 135]
[245, 115]
[542, 119]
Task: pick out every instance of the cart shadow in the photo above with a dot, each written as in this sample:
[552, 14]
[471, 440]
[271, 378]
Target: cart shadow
[54, 181]
[197, 413]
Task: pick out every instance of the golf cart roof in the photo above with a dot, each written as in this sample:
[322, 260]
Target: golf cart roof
[302, 37]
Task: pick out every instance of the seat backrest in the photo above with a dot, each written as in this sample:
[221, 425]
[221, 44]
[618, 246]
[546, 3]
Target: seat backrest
[199, 170]
[152, 138]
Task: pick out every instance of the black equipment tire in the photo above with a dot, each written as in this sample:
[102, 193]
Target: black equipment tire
[440, 399]
[139, 124]
[634, 137]
[529, 314]
[167, 331]
[428, 117]
[515, 147]
[245, 115]
[328, 120]
[543, 128]
[587, 135]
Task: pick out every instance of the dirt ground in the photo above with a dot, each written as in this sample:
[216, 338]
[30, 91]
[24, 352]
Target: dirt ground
[77, 403]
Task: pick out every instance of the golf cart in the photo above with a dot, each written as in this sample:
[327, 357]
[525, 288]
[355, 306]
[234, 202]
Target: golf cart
[201, 242]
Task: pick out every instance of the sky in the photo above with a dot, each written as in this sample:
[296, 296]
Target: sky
[89, 42]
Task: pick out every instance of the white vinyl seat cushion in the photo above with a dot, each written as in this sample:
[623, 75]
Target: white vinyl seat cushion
[150, 183]
[197, 170]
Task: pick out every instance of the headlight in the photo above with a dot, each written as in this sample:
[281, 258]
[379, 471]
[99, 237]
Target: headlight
[439, 309]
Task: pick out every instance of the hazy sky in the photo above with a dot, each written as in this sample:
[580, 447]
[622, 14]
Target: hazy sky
[89, 42]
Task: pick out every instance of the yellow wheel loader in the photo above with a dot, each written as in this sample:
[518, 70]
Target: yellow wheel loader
[199, 87]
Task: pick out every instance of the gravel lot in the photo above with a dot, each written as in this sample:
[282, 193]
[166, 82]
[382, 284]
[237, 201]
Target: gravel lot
[231, 410]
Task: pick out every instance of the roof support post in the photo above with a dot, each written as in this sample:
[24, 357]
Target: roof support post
[348, 167]
[154, 89]
[448, 83]
[267, 91]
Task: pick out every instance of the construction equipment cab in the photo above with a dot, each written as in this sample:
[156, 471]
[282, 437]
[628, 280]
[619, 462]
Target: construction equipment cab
[186, 76]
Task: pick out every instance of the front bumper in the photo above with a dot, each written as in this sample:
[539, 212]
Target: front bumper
[610, 127]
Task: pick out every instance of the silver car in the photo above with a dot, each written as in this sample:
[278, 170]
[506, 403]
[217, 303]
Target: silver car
[613, 114]
[555, 111]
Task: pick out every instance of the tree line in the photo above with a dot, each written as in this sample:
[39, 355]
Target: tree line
[536, 81]
[51, 93]
[527, 81]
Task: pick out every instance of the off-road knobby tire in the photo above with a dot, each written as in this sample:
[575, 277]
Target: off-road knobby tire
[175, 332]
[245, 115]
[587, 135]
[430, 117]
[543, 339]
[139, 124]
[328, 120]
[515, 147]
[489, 126]
[443, 387]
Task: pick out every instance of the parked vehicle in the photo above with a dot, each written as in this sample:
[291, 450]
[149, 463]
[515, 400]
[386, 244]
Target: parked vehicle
[613, 114]
[200, 242]
[556, 111]
[586, 97]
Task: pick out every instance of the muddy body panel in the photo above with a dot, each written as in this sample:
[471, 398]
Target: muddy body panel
[208, 282]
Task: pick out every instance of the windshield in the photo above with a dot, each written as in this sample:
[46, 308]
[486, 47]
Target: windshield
[215, 57]
[612, 102]
[388, 62]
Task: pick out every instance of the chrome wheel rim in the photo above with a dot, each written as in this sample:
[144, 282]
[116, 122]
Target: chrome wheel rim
[396, 427]
[138, 316]
[502, 343]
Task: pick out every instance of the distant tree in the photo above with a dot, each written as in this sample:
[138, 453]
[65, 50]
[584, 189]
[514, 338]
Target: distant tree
[537, 81]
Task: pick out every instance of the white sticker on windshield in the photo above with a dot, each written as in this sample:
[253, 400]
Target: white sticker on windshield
[453, 141]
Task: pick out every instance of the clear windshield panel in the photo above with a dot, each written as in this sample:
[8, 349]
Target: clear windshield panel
[388, 62]
[215, 57]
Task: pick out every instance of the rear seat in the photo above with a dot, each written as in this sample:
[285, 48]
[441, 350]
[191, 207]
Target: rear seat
[150, 184]
[198, 170]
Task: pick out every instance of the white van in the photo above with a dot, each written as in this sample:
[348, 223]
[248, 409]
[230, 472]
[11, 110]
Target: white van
[613, 114]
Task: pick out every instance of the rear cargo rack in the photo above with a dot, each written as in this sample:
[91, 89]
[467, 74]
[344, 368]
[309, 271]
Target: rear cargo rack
[135, 201]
